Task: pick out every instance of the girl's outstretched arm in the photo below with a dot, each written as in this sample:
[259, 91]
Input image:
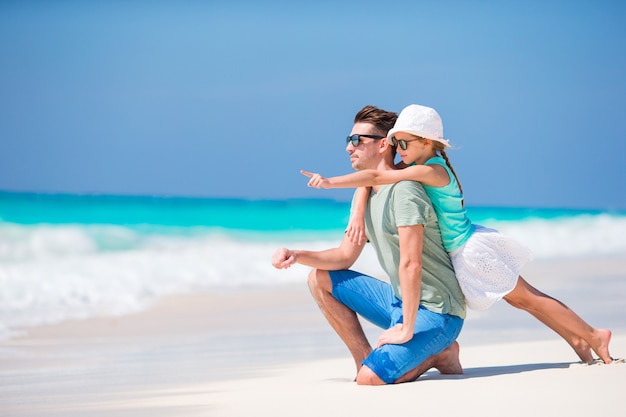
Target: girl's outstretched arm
[400, 165]
[433, 175]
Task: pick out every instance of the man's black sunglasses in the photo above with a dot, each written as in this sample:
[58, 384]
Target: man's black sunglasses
[356, 139]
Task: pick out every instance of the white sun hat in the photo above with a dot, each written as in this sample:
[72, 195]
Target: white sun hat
[420, 121]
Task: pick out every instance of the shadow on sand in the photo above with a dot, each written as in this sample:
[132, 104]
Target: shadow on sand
[496, 370]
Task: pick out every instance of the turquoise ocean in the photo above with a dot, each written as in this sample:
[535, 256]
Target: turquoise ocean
[65, 257]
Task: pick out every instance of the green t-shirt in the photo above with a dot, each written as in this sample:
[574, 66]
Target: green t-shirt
[406, 204]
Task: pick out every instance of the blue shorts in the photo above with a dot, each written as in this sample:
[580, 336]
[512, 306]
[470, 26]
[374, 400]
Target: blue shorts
[374, 300]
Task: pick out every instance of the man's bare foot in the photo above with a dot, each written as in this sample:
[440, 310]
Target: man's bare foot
[447, 362]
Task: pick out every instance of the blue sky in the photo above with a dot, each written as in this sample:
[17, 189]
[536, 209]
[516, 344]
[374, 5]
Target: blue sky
[206, 99]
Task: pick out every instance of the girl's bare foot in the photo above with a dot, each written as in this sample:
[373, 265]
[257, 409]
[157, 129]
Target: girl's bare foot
[600, 344]
[582, 349]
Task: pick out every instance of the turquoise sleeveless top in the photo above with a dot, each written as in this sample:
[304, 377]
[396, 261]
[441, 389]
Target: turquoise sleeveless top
[454, 224]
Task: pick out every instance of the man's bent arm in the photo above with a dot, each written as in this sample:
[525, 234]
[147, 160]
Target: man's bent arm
[410, 274]
[342, 257]
[410, 271]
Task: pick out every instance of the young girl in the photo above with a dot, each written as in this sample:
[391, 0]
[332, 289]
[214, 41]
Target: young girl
[486, 263]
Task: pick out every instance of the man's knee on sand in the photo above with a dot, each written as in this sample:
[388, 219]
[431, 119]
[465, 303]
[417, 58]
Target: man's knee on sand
[367, 377]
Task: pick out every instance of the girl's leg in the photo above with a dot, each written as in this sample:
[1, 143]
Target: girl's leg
[557, 316]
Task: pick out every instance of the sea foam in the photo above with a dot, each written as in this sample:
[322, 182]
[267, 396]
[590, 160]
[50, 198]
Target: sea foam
[51, 272]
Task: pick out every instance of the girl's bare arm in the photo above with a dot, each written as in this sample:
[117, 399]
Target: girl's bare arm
[433, 175]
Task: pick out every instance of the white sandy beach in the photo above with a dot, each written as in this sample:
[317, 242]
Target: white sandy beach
[270, 352]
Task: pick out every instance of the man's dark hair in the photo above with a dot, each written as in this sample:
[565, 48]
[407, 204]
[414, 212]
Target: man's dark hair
[381, 119]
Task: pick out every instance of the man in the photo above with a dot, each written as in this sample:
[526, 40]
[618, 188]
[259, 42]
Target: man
[423, 308]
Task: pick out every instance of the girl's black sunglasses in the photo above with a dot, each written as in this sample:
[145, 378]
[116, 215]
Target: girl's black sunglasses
[402, 142]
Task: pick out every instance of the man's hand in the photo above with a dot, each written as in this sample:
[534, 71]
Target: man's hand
[283, 258]
[316, 180]
[395, 335]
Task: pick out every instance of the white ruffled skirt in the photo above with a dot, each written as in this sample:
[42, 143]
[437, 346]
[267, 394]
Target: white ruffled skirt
[487, 266]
